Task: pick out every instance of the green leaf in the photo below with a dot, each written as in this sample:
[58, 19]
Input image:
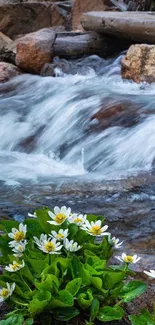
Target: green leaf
[39, 302]
[15, 319]
[78, 271]
[112, 278]
[132, 290]
[93, 217]
[37, 265]
[43, 217]
[65, 314]
[96, 282]
[28, 321]
[145, 318]
[74, 286]
[95, 306]
[63, 299]
[7, 225]
[49, 283]
[33, 228]
[58, 267]
[85, 299]
[73, 229]
[108, 314]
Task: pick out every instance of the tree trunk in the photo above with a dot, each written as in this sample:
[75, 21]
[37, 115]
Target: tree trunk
[141, 5]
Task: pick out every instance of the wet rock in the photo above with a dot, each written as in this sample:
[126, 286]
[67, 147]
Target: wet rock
[139, 63]
[116, 114]
[8, 71]
[80, 6]
[22, 18]
[134, 26]
[34, 50]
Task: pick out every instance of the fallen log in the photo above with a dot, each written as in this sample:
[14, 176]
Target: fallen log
[70, 45]
[134, 26]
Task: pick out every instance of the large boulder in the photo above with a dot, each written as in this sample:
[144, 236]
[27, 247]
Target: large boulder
[22, 18]
[34, 50]
[8, 71]
[81, 6]
[139, 63]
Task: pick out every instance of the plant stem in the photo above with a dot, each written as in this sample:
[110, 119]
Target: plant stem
[22, 279]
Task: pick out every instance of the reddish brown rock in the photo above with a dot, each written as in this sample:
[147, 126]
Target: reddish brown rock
[8, 71]
[34, 50]
[114, 114]
[82, 6]
[139, 63]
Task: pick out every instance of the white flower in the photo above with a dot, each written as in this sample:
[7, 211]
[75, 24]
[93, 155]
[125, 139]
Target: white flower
[15, 266]
[7, 292]
[128, 258]
[19, 248]
[115, 242]
[71, 246]
[59, 216]
[60, 235]
[32, 215]
[17, 234]
[78, 219]
[95, 228]
[151, 273]
[46, 245]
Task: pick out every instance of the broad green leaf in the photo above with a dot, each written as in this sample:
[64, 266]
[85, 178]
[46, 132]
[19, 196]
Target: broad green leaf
[112, 278]
[74, 286]
[7, 225]
[63, 299]
[95, 306]
[78, 271]
[49, 283]
[39, 302]
[43, 217]
[145, 318]
[85, 299]
[65, 314]
[73, 229]
[13, 320]
[37, 265]
[96, 282]
[33, 228]
[132, 290]
[93, 217]
[108, 314]
[58, 267]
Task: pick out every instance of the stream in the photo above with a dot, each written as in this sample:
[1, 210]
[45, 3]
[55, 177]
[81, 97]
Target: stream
[52, 152]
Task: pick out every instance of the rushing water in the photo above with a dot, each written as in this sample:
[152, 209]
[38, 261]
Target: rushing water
[51, 153]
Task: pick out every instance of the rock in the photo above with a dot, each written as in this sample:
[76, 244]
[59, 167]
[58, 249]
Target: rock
[135, 26]
[8, 71]
[114, 114]
[23, 18]
[34, 50]
[139, 63]
[7, 49]
[80, 6]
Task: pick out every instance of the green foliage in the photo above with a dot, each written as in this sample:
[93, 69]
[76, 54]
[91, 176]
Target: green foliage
[144, 318]
[67, 282]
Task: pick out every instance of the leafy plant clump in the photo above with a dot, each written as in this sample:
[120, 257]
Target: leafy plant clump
[56, 267]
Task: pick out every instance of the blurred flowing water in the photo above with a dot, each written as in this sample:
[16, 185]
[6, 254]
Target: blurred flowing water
[50, 153]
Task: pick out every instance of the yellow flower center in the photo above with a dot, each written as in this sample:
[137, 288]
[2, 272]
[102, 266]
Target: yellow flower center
[19, 235]
[60, 218]
[77, 220]
[128, 259]
[96, 230]
[61, 236]
[15, 266]
[49, 247]
[20, 248]
[4, 293]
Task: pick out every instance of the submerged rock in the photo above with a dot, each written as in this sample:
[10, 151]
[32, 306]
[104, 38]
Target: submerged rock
[139, 63]
[8, 71]
[34, 50]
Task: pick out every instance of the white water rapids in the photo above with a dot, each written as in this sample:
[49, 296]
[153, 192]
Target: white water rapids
[44, 125]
